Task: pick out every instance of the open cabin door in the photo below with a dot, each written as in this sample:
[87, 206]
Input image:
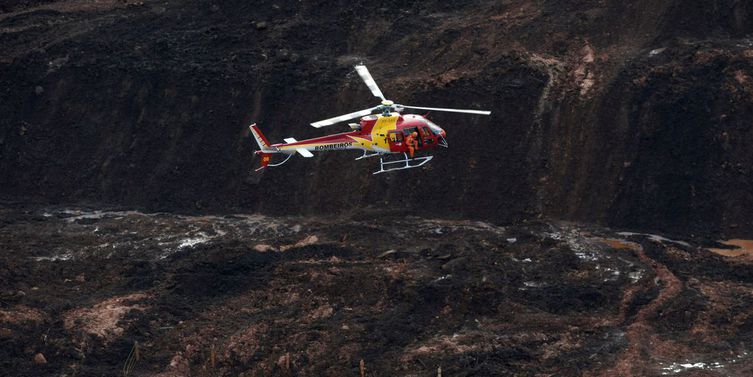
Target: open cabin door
[396, 141]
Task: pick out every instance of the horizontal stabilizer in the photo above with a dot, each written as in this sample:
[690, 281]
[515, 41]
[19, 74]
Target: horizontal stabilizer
[304, 152]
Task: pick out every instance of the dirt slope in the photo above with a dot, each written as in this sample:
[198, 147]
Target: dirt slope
[633, 114]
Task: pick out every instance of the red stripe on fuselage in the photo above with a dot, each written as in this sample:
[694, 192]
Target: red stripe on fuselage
[336, 138]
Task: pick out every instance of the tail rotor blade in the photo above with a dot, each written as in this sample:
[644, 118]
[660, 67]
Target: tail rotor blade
[366, 77]
[479, 112]
[342, 118]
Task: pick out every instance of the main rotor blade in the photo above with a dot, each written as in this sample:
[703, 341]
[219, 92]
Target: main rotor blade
[480, 112]
[342, 118]
[366, 77]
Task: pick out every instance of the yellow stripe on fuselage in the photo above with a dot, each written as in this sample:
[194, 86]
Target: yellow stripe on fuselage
[378, 142]
[382, 126]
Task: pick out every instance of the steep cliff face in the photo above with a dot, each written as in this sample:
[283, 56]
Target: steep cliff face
[628, 114]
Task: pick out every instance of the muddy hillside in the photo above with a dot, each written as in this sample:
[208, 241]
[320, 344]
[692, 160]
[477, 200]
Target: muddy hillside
[125, 293]
[635, 114]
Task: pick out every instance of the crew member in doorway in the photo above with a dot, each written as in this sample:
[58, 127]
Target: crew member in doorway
[412, 143]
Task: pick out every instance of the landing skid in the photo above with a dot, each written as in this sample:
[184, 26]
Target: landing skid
[367, 155]
[406, 163]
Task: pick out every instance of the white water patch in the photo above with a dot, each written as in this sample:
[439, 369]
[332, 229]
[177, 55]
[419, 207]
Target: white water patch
[76, 214]
[534, 284]
[635, 276]
[219, 232]
[587, 256]
[53, 258]
[611, 273]
[198, 239]
[191, 242]
[655, 238]
[445, 277]
[657, 51]
[583, 249]
[680, 367]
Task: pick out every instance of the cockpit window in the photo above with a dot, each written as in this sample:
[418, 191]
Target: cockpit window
[434, 128]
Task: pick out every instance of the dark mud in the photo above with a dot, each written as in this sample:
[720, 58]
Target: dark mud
[257, 296]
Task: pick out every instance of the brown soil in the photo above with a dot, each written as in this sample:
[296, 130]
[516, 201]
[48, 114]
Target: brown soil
[103, 318]
[742, 248]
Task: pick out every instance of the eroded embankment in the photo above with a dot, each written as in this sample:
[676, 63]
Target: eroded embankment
[608, 112]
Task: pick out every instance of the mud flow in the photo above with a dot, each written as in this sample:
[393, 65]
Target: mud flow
[95, 292]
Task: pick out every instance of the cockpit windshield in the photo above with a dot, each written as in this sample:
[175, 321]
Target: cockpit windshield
[434, 128]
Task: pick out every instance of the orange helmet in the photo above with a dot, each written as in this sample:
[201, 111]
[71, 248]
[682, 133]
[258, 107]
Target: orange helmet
[414, 134]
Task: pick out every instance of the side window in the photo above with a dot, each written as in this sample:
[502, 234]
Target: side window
[425, 131]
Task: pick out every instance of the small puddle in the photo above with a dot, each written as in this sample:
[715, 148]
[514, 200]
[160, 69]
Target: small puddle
[742, 248]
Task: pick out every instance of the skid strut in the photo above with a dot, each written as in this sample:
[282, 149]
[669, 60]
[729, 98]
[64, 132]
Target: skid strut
[367, 155]
[406, 163]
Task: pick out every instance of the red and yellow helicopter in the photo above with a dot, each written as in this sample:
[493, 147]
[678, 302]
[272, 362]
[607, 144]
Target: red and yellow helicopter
[386, 133]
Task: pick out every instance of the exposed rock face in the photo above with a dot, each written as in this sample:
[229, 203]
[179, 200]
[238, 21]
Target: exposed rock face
[634, 114]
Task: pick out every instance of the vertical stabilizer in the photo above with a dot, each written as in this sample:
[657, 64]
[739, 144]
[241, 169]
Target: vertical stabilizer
[260, 139]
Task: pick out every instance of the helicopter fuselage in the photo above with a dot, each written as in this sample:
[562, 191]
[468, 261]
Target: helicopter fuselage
[375, 133]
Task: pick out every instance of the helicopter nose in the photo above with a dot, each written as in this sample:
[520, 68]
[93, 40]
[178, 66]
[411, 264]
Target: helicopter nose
[444, 134]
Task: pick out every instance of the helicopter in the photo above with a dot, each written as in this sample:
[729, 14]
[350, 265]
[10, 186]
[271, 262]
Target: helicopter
[387, 132]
